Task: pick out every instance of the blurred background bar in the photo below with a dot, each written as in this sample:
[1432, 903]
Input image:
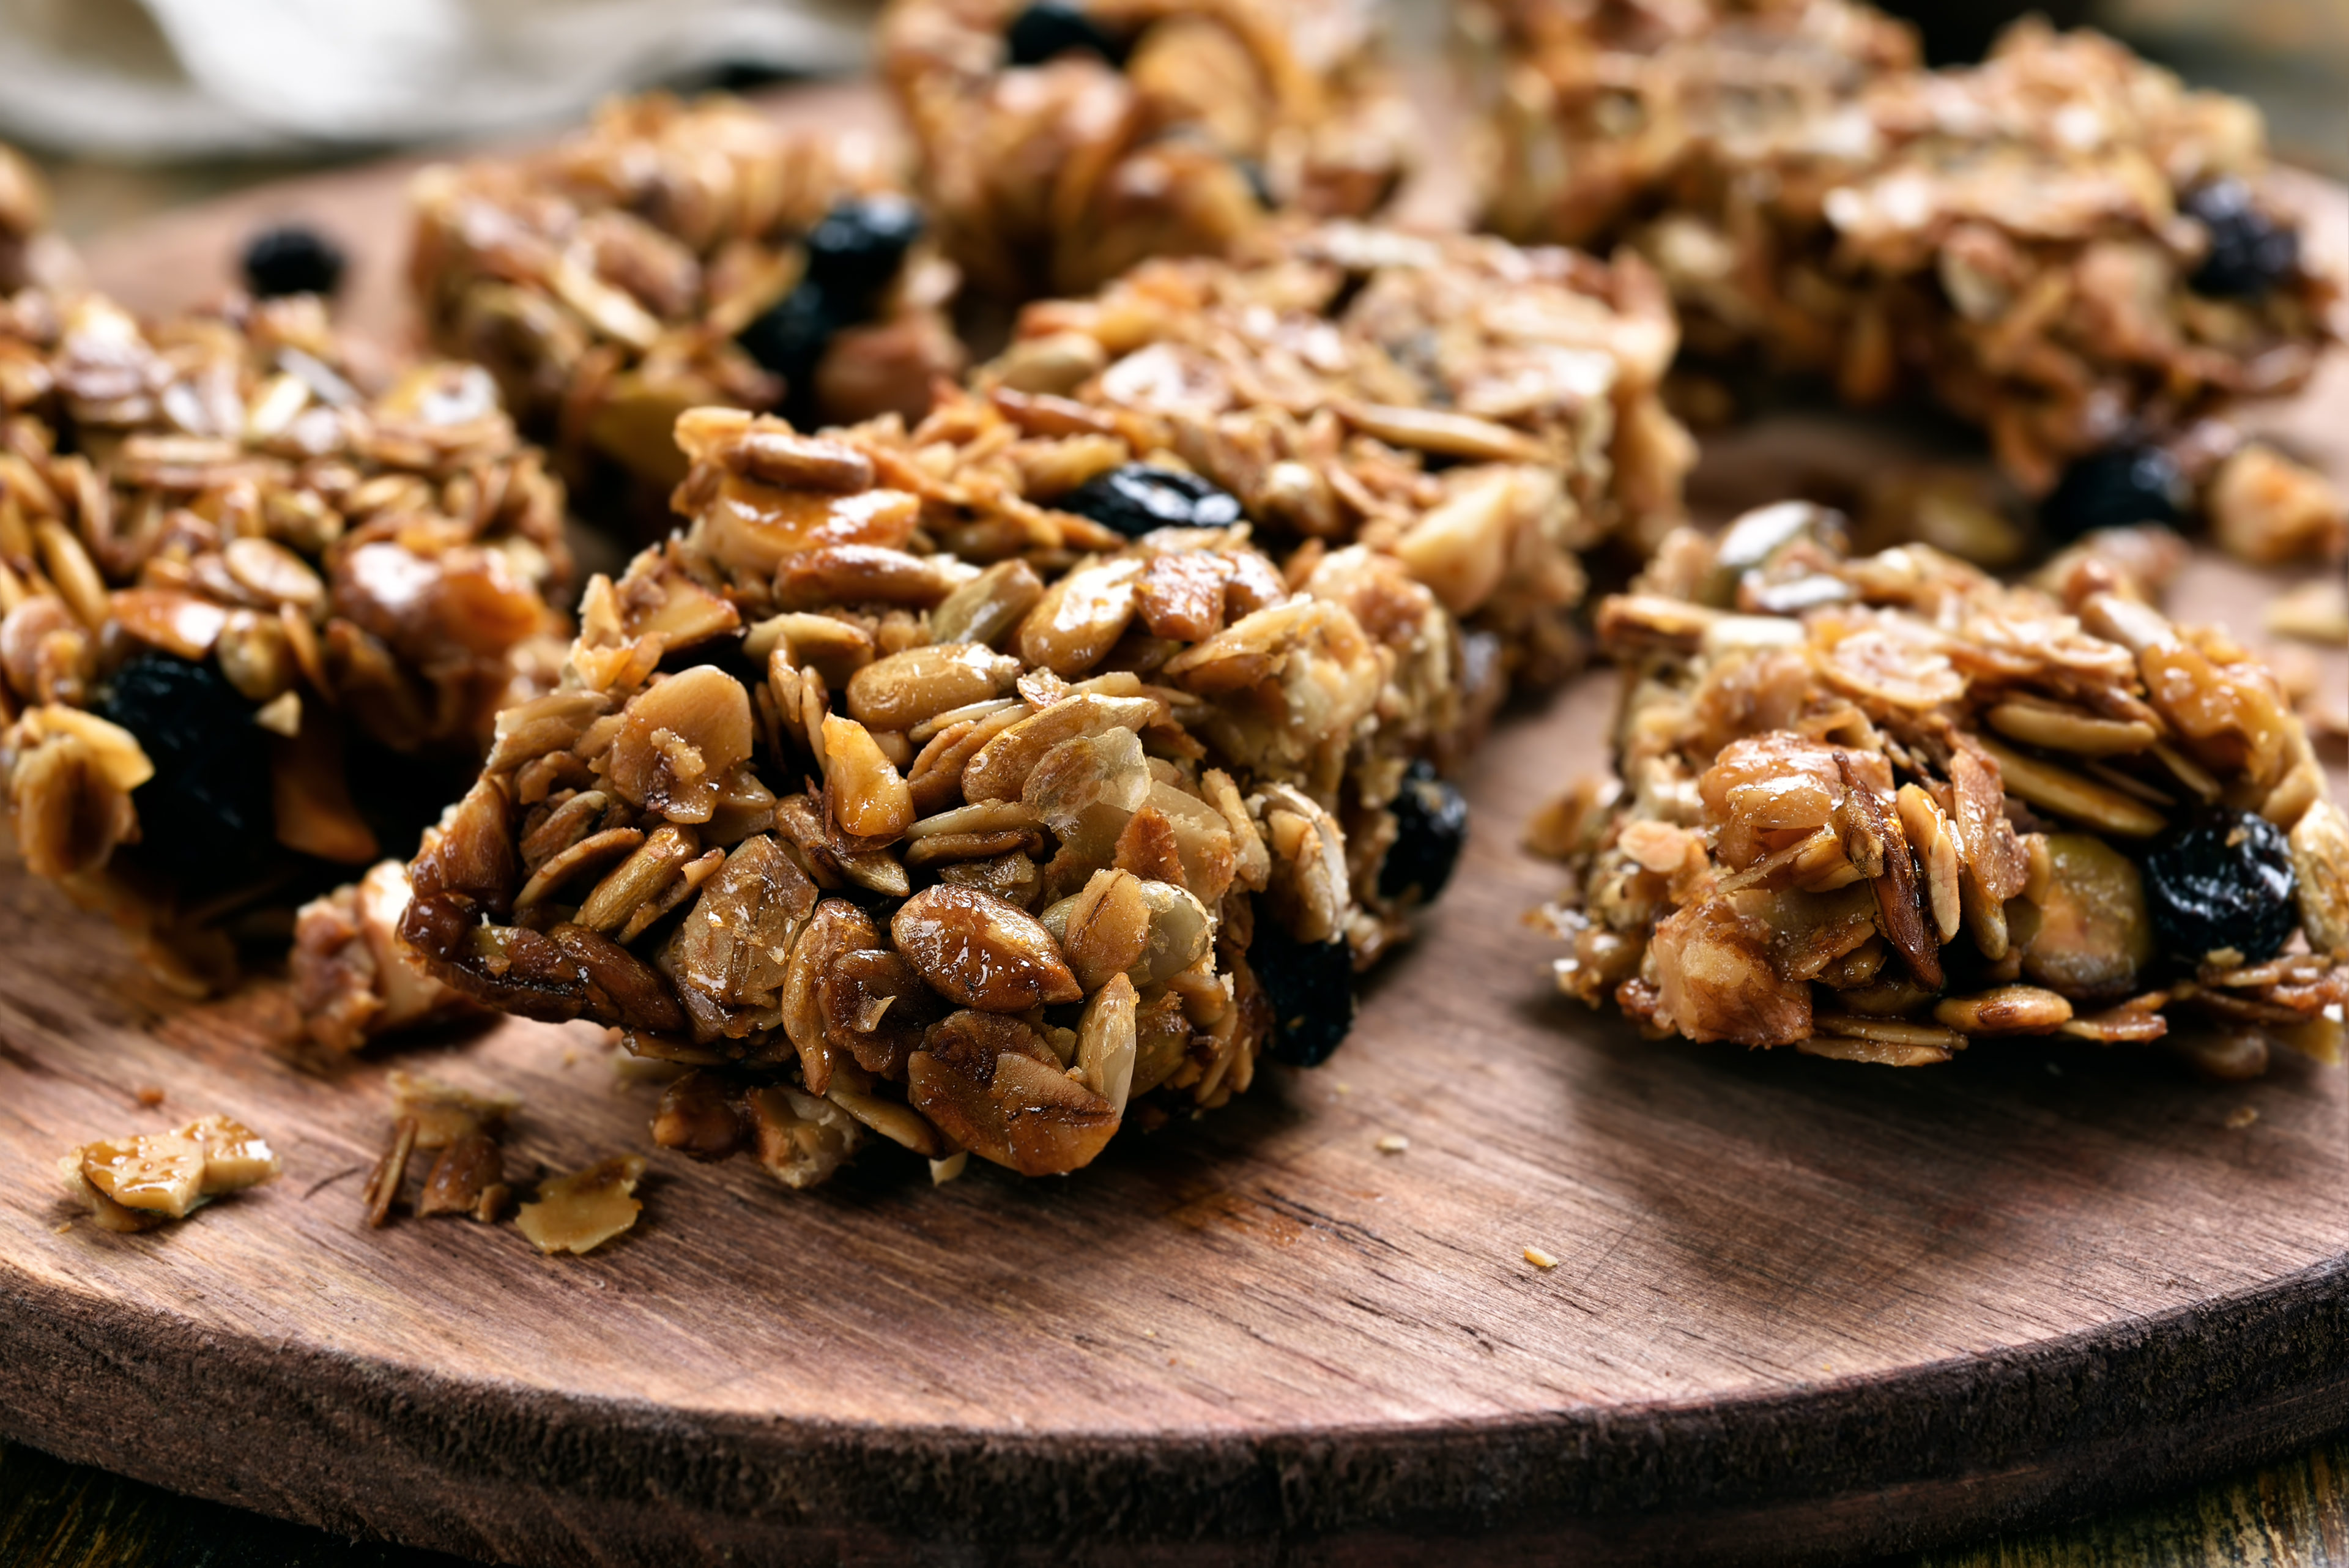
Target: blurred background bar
[133, 105]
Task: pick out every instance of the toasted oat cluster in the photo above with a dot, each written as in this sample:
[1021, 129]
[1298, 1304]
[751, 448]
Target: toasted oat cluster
[2062, 245]
[674, 255]
[1475, 410]
[139, 1182]
[251, 615]
[1062, 143]
[1874, 808]
[897, 799]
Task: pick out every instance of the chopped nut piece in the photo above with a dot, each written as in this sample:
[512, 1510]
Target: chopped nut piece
[443, 1113]
[579, 1212]
[1539, 1259]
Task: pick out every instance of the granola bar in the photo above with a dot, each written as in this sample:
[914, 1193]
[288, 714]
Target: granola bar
[1876, 807]
[898, 800]
[1478, 411]
[2062, 245]
[252, 616]
[1062, 143]
[674, 255]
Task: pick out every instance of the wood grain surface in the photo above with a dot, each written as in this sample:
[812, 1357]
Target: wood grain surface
[1803, 1308]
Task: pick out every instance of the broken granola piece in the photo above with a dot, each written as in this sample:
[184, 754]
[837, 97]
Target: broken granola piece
[255, 615]
[674, 254]
[141, 1181]
[2062, 244]
[579, 1212]
[1061, 144]
[1919, 808]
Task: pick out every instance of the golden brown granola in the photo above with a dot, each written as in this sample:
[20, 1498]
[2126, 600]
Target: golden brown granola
[1475, 410]
[225, 573]
[1054, 164]
[1874, 808]
[634, 271]
[900, 801]
[2031, 239]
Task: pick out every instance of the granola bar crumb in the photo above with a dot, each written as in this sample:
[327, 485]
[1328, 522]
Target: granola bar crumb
[1393, 1143]
[145, 1179]
[148, 1095]
[1539, 1259]
[945, 1170]
[2242, 1117]
[580, 1212]
[2313, 612]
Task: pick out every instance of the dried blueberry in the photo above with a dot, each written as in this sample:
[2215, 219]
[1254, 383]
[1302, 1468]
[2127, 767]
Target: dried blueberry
[1311, 989]
[790, 339]
[2224, 881]
[292, 260]
[204, 818]
[1136, 498]
[1430, 827]
[1051, 28]
[2249, 254]
[857, 249]
[2113, 489]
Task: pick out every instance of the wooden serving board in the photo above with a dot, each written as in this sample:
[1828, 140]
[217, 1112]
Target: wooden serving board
[1802, 1309]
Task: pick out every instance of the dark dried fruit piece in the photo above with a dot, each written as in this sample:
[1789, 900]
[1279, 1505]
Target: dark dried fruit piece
[1136, 498]
[1311, 989]
[2114, 489]
[204, 818]
[1431, 829]
[856, 250]
[790, 339]
[2250, 252]
[2224, 880]
[1051, 28]
[292, 260]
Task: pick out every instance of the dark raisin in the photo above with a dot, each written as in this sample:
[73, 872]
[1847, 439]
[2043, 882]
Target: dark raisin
[204, 818]
[855, 252]
[1311, 989]
[1431, 828]
[1136, 498]
[2113, 489]
[1051, 28]
[2249, 254]
[788, 339]
[292, 260]
[2224, 881]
